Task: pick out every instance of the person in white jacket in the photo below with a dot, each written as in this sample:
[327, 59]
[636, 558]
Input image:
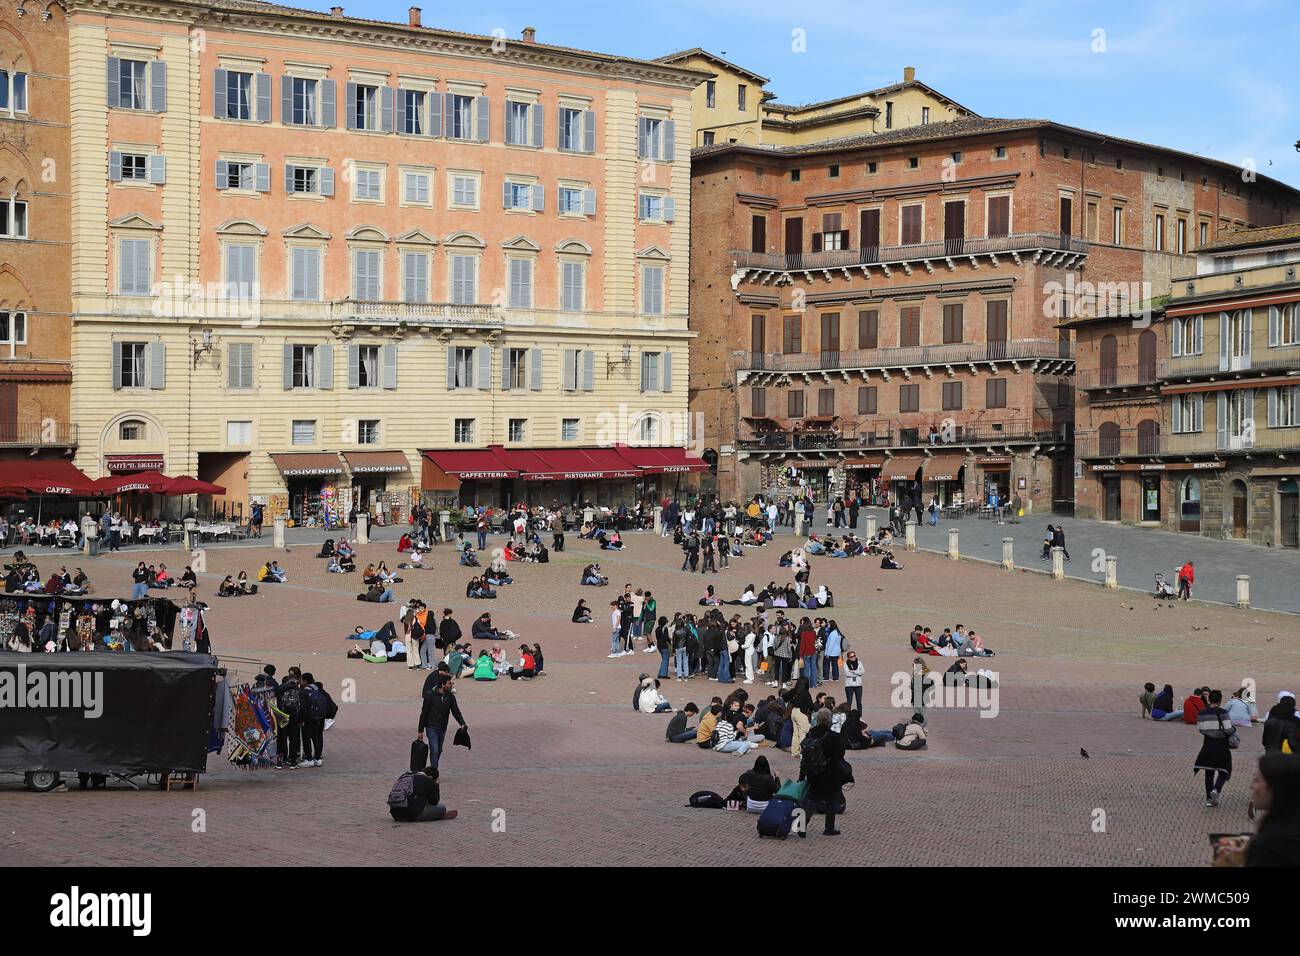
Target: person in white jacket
[651, 701]
[750, 654]
[853, 673]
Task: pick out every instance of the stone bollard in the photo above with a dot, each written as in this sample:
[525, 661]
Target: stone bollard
[89, 536]
[910, 539]
[444, 521]
[1008, 554]
[363, 528]
[189, 537]
[800, 524]
[1112, 578]
[953, 553]
[1058, 563]
[277, 534]
[659, 519]
[1243, 590]
[871, 526]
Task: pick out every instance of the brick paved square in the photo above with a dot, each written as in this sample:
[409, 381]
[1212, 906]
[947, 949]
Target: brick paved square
[570, 775]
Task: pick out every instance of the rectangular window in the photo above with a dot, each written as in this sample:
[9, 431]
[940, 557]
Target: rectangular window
[833, 171]
[463, 367]
[415, 277]
[460, 116]
[135, 167]
[710, 93]
[909, 398]
[518, 124]
[239, 433]
[365, 275]
[909, 327]
[652, 290]
[520, 274]
[239, 365]
[516, 369]
[134, 266]
[889, 114]
[910, 225]
[925, 116]
[825, 401]
[999, 152]
[951, 396]
[303, 374]
[464, 280]
[758, 402]
[368, 184]
[13, 219]
[995, 320]
[758, 234]
[367, 431]
[573, 281]
[517, 430]
[304, 101]
[238, 176]
[651, 207]
[464, 431]
[365, 107]
[741, 92]
[241, 271]
[794, 403]
[650, 362]
[303, 432]
[869, 329]
[13, 330]
[995, 393]
[1187, 413]
[1117, 225]
[13, 92]
[866, 399]
[1160, 233]
[304, 180]
[570, 201]
[413, 112]
[1180, 237]
[792, 334]
[953, 315]
[569, 429]
[1092, 221]
[134, 370]
[132, 85]
[464, 191]
[305, 277]
[367, 359]
[999, 216]
[239, 95]
[650, 143]
[576, 128]
[415, 188]
[830, 335]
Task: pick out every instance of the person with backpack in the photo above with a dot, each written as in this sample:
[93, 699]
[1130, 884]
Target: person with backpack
[414, 798]
[436, 712]
[289, 700]
[1215, 756]
[822, 765]
[318, 707]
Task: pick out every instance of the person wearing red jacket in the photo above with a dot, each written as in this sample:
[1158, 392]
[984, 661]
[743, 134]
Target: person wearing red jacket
[1186, 578]
[527, 668]
[1193, 705]
[808, 651]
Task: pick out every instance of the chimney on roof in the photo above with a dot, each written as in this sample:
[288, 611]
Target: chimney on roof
[909, 74]
[413, 16]
[529, 34]
[336, 12]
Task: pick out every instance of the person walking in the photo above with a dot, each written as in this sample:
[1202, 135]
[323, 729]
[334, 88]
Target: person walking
[855, 504]
[800, 704]
[1186, 578]
[1215, 757]
[557, 531]
[822, 765]
[1058, 541]
[435, 714]
[481, 528]
[255, 519]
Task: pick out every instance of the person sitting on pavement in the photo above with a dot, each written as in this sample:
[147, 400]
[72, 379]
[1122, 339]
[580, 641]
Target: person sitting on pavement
[591, 576]
[484, 668]
[582, 613]
[478, 588]
[889, 563]
[377, 594]
[650, 700]
[527, 668]
[1162, 708]
[418, 798]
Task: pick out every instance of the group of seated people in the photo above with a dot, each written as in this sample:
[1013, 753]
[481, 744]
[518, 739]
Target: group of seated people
[377, 593]
[342, 556]
[479, 589]
[467, 557]
[953, 642]
[1241, 707]
[592, 576]
[236, 586]
[22, 576]
[608, 542]
[379, 646]
[492, 663]
[272, 573]
[379, 574]
[406, 544]
[534, 552]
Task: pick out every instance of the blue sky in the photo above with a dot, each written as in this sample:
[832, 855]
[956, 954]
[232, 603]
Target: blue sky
[1210, 78]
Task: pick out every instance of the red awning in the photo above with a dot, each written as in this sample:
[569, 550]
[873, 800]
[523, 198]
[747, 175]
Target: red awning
[185, 485]
[116, 464]
[611, 464]
[659, 461]
[53, 477]
[151, 481]
[471, 464]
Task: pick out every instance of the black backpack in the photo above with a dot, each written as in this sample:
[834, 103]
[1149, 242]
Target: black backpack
[707, 800]
[320, 706]
[812, 759]
[290, 700]
[898, 730]
[399, 798]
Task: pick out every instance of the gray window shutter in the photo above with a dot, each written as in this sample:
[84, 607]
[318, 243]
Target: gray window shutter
[450, 106]
[505, 194]
[1177, 414]
[669, 141]
[1176, 338]
[114, 81]
[286, 100]
[158, 86]
[642, 139]
[483, 125]
[157, 169]
[114, 167]
[354, 366]
[263, 174]
[646, 384]
[223, 174]
[325, 366]
[670, 209]
[349, 106]
[288, 178]
[263, 82]
[1273, 315]
[588, 370]
[1223, 342]
[143, 267]
[327, 181]
[386, 109]
[1272, 407]
[117, 365]
[219, 94]
[1221, 419]
[539, 197]
[539, 125]
[451, 366]
[535, 369]
[483, 373]
[288, 367]
[589, 202]
[399, 111]
[389, 355]
[157, 365]
[435, 113]
[570, 375]
[327, 117]
[667, 360]
[1250, 333]
[589, 131]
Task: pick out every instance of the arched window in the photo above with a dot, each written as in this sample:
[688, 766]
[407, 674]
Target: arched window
[1109, 359]
[1148, 437]
[1146, 357]
[132, 429]
[1108, 439]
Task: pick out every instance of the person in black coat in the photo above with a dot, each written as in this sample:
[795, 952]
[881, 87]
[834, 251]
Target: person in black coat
[1276, 791]
[826, 786]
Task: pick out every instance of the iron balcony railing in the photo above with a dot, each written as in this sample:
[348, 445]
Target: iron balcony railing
[912, 357]
[916, 252]
[47, 434]
[1126, 443]
[884, 433]
[1122, 376]
[486, 315]
[1261, 358]
[1210, 440]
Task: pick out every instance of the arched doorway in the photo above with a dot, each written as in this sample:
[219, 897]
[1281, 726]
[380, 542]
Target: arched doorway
[1109, 360]
[1147, 357]
[1288, 509]
[1240, 508]
[1189, 505]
